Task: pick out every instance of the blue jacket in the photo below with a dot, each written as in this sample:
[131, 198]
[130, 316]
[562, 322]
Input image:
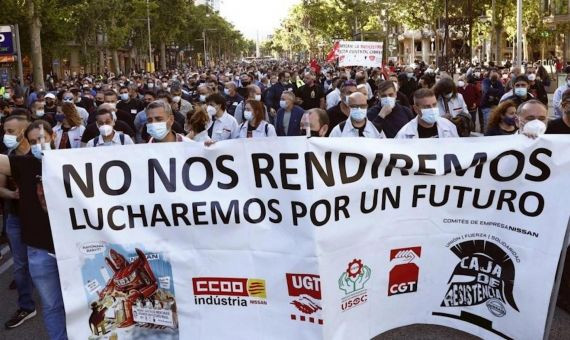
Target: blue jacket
[294, 122]
[273, 95]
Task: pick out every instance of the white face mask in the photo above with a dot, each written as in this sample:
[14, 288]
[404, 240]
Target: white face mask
[258, 97]
[203, 98]
[211, 110]
[532, 77]
[461, 83]
[11, 141]
[176, 99]
[247, 115]
[40, 113]
[534, 127]
[105, 130]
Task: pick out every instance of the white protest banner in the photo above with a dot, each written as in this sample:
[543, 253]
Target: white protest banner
[315, 239]
[360, 53]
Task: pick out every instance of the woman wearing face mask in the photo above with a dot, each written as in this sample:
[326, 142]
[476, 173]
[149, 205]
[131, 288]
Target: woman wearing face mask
[196, 124]
[38, 112]
[288, 119]
[503, 120]
[69, 129]
[449, 102]
[254, 125]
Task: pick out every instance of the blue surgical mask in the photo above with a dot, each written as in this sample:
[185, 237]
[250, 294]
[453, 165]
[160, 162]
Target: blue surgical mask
[388, 101]
[521, 91]
[282, 104]
[157, 130]
[124, 97]
[11, 141]
[247, 115]
[37, 150]
[357, 114]
[430, 115]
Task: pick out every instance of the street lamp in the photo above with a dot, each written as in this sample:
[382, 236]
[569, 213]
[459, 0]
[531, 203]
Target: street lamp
[151, 62]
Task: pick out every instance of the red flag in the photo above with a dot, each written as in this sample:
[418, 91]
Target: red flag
[315, 66]
[333, 53]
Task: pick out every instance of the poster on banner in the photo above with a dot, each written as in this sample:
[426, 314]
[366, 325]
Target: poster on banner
[339, 240]
[360, 53]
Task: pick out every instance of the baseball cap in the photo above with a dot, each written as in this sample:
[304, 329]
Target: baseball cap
[50, 95]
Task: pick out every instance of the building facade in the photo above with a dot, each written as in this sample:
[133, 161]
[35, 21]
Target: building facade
[213, 4]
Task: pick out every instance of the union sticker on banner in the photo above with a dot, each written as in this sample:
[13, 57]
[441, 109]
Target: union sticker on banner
[360, 53]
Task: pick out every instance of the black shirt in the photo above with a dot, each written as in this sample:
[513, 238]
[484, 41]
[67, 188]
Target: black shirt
[232, 103]
[336, 116]
[497, 131]
[557, 126]
[428, 132]
[311, 96]
[131, 106]
[36, 230]
[92, 131]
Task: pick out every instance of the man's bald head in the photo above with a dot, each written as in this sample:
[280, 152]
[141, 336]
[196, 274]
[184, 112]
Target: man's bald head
[357, 99]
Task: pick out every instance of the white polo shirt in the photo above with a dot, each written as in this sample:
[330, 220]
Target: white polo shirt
[225, 127]
[264, 129]
[348, 130]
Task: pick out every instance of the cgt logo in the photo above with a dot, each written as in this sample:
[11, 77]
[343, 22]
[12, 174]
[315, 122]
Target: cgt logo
[306, 291]
[403, 276]
[226, 286]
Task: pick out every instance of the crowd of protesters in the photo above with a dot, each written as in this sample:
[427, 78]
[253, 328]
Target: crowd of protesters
[244, 100]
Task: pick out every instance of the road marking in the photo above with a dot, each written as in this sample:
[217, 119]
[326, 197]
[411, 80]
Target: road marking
[6, 265]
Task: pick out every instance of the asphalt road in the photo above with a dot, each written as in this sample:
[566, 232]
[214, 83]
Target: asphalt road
[34, 329]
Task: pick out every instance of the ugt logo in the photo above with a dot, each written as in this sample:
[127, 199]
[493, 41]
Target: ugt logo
[404, 274]
[352, 282]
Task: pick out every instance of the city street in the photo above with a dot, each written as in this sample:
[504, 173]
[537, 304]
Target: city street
[34, 328]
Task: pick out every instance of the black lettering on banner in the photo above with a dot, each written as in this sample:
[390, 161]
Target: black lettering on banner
[387, 195]
[314, 207]
[507, 197]
[179, 211]
[494, 168]
[198, 213]
[423, 170]
[298, 210]
[169, 183]
[227, 171]
[327, 177]
[111, 221]
[444, 199]
[133, 215]
[273, 205]
[266, 171]
[216, 210]
[539, 206]
[417, 194]
[478, 160]
[376, 165]
[159, 216]
[186, 174]
[340, 204]
[85, 187]
[126, 178]
[73, 218]
[344, 177]
[489, 200]
[461, 194]
[283, 158]
[394, 158]
[246, 210]
[545, 170]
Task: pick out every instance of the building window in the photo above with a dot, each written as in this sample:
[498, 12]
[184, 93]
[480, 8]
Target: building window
[418, 46]
[546, 6]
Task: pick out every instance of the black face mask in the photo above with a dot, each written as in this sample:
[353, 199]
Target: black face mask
[98, 102]
[245, 83]
[313, 133]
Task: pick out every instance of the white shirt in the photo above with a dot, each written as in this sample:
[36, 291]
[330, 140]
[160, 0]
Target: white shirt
[456, 105]
[333, 98]
[225, 127]
[349, 130]
[202, 137]
[557, 100]
[445, 129]
[83, 114]
[74, 134]
[115, 141]
[258, 132]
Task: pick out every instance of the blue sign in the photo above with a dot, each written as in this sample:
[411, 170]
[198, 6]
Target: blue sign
[6, 44]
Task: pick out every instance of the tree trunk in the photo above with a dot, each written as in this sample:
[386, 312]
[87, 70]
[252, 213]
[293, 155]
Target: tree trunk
[498, 41]
[163, 56]
[36, 42]
[525, 48]
[116, 63]
[101, 62]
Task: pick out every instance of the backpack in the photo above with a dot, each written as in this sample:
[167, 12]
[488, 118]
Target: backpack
[266, 127]
[121, 138]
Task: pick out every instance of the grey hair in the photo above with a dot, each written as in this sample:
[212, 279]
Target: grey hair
[522, 107]
[160, 104]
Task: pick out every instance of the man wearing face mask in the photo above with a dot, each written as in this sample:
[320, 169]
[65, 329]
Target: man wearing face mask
[318, 123]
[357, 125]
[557, 99]
[401, 98]
[311, 95]
[273, 95]
[341, 111]
[493, 90]
[408, 82]
[561, 125]
[160, 119]
[520, 91]
[428, 123]
[388, 115]
[288, 119]
[50, 107]
[533, 118]
[14, 128]
[232, 97]
[107, 134]
[535, 86]
[124, 116]
[92, 131]
[26, 170]
[129, 101]
[222, 125]
[203, 92]
[253, 93]
[183, 106]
